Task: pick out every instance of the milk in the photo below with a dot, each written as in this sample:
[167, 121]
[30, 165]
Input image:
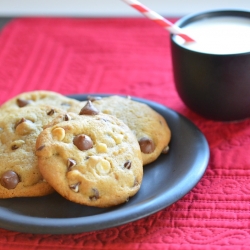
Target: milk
[218, 35]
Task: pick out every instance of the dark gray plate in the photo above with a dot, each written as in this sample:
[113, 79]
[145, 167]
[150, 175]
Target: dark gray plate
[165, 181]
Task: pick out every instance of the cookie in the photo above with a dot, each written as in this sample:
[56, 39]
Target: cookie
[19, 173]
[150, 128]
[92, 159]
[43, 97]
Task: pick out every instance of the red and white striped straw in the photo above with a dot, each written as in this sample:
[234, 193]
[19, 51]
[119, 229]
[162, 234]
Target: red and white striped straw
[159, 19]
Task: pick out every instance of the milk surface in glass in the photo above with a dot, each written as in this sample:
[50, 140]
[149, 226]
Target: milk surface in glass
[218, 35]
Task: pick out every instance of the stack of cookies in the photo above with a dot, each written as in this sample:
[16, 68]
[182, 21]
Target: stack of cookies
[90, 152]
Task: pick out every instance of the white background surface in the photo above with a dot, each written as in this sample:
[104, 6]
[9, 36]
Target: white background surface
[113, 8]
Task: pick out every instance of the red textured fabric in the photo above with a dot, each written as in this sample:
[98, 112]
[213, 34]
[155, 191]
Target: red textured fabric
[130, 56]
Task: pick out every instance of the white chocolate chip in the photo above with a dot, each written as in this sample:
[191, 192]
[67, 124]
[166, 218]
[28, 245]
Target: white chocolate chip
[101, 148]
[118, 138]
[25, 127]
[103, 167]
[74, 174]
[92, 161]
[58, 134]
[106, 111]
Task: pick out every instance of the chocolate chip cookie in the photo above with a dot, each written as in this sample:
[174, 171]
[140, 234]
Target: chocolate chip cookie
[150, 128]
[19, 128]
[43, 97]
[91, 158]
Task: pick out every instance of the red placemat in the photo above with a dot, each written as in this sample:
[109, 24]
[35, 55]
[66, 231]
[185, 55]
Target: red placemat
[130, 56]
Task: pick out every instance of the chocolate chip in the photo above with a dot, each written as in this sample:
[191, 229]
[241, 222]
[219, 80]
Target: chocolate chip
[136, 183]
[40, 148]
[71, 163]
[93, 98]
[147, 145]
[95, 195]
[14, 147]
[75, 187]
[21, 121]
[165, 150]
[22, 102]
[9, 179]
[51, 112]
[127, 164]
[89, 109]
[67, 117]
[83, 142]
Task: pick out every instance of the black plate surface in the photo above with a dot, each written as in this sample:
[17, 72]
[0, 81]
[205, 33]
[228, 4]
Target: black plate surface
[165, 181]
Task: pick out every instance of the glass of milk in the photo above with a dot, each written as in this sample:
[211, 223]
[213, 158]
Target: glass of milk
[212, 74]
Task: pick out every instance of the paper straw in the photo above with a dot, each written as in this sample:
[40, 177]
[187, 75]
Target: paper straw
[159, 19]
